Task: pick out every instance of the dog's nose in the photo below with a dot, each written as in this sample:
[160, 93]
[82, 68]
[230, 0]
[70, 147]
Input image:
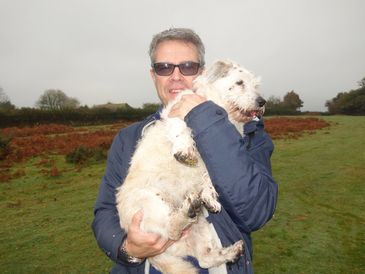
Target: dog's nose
[260, 101]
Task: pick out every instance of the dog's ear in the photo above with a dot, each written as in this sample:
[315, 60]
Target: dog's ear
[216, 71]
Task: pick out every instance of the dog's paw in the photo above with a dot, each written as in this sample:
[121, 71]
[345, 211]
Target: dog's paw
[235, 251]
[213, 206]
[194, 206]
[184, 150]
[188, 159]
[210, 196]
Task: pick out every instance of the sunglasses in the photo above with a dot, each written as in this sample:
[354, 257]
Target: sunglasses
[185, 68]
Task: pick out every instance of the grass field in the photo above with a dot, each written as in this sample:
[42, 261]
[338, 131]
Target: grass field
[319, 225]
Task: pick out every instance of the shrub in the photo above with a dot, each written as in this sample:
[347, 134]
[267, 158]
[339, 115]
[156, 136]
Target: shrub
[79, 155]
[4, 146]
[83, 154]
[99, 154]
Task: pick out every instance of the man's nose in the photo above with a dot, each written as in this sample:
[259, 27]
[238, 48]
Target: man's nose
[176, 74]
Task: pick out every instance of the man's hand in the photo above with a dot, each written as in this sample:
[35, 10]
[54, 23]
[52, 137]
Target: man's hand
[187, 103]
[141, 244]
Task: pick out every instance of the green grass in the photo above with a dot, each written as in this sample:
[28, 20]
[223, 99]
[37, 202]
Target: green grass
[318, 226]
[46, 222]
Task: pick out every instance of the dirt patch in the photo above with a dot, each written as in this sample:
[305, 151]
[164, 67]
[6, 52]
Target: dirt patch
[293, 128]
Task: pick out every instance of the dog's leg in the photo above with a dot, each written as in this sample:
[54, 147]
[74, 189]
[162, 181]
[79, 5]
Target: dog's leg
[209, 195]
[208, 257]
[155, 204]
[169, 264]
[183, 145]
[183, 217]
[207, 249]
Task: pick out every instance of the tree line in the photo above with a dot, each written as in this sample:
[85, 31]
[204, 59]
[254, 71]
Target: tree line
[351, 102]
[77, 116]
[54, 106]
[290, 105]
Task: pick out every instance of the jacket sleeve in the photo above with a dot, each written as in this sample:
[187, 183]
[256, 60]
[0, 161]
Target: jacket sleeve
[239, 167]
[107, 230]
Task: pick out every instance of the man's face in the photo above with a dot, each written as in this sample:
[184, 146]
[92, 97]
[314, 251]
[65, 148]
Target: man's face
[175, 52]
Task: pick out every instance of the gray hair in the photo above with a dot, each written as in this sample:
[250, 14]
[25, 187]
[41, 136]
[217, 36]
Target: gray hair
[182, 34]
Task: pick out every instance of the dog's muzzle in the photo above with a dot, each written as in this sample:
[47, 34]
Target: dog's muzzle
[260, 101]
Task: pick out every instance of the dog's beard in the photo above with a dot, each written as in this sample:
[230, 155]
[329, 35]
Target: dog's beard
[240, 115]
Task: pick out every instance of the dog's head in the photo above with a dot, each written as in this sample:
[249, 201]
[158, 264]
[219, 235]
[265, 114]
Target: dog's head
[233, 88]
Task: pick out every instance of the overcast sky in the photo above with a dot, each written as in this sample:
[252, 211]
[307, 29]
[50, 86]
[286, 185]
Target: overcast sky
[96, 51]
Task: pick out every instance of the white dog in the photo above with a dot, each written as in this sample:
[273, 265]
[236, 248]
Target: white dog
[168, 180]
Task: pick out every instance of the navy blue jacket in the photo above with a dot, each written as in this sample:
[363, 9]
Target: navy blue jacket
[239, 168]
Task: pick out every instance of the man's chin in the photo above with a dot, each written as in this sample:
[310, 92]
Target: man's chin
[172, 95]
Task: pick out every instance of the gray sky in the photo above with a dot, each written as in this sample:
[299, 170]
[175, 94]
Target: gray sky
[96, 51]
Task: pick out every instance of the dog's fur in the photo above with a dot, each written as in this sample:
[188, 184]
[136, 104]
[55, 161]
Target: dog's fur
[168, 180]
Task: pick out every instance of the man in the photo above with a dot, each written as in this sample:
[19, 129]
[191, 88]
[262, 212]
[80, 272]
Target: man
[239, 167]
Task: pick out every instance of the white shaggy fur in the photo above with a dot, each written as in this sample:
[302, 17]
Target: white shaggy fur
[168, 180]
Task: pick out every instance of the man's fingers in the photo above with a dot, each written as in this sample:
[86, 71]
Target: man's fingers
[169, 243]
[137, 218]
[187, 103]
[162, 245]
[153, 239]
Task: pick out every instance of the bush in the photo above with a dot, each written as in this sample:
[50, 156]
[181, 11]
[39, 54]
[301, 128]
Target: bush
[83, 154]
[99, 154]
[79, 155]
[4, 146]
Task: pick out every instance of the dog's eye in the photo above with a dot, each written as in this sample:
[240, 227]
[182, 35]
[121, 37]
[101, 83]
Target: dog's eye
[240, 83]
